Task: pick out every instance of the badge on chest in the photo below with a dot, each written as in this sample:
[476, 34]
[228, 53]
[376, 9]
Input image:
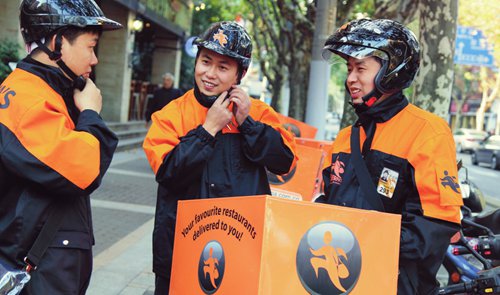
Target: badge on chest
[387, 182]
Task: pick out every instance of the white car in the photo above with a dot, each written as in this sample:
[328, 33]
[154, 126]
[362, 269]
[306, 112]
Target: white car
[468, 139]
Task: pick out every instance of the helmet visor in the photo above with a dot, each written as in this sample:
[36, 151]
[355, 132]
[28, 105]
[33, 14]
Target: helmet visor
[340, 52]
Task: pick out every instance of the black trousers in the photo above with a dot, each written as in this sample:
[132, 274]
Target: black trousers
[61, 272]
[411, 282]
[162, 284]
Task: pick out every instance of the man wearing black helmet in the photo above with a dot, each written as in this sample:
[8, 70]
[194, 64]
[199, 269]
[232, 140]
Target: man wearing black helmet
[55, 148]
[214, 141]
[397, 158]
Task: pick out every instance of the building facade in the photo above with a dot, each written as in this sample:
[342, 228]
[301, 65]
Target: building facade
[131, 60]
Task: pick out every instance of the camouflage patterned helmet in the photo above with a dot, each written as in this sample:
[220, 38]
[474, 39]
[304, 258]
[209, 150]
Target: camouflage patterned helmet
[40, 18]
[391, 42]
[229, 39]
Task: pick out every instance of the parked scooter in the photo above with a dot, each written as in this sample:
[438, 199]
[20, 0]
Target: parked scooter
[472, 196]
[472, 259]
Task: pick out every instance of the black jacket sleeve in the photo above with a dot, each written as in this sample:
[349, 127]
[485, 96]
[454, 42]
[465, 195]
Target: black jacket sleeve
[184, 165]
[264, 145]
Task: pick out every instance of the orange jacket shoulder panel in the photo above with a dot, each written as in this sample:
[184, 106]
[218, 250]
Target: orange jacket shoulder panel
[38, 117]
[430, 149]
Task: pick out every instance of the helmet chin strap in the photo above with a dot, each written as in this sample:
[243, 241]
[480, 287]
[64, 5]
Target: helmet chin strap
[368, 100]
[204, 100]
[79, 82]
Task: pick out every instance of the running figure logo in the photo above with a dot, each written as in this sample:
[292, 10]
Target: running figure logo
[211, 267]
[450, 181]
[328, 259]
[337, 169]
[221, 38]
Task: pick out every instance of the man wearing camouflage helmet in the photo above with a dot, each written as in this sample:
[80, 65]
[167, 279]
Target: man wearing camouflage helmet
[214, 141]
[54, 147]
[397, 158]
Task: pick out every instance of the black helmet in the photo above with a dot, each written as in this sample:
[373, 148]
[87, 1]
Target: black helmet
[230, 39]
[395, 45]
[40, 18]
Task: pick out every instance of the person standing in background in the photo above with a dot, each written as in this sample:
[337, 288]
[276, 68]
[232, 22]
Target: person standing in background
[162, 96]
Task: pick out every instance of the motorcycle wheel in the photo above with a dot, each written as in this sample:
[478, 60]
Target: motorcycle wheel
[494, 163]
[473, 158]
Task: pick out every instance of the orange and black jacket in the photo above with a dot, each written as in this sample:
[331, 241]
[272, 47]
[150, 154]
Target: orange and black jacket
[50, 153]
[190, 163]
[416, 150]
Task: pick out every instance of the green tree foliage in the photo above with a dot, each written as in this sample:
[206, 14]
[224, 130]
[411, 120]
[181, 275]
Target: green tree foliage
[8, 53]
[348, 11]
[482, 15]
[283, 31]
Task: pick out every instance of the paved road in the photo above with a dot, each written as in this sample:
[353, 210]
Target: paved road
[123, 210]
[485, 178]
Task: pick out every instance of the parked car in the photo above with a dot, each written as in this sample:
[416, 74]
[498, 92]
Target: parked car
[488, 152]
[468, 139]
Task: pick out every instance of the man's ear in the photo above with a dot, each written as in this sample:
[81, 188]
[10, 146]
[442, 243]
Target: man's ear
[52, 44]
[240, 76]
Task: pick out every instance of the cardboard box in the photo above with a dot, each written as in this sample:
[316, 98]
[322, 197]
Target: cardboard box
[266, 245]
[304, 180]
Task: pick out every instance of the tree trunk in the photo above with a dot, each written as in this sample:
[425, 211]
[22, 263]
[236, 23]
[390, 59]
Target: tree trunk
[283, 32]
[275, 89]
[349, 116]
[497, 126]
[459, 100]
[403, 11]
[487, 99]
[437, 39]
[298, 80]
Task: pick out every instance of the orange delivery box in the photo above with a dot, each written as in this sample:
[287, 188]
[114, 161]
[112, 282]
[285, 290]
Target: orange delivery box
[261, 245]
[304, 182]
[299, 128]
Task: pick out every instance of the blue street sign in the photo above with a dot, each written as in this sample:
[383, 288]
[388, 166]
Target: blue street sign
[472, 48]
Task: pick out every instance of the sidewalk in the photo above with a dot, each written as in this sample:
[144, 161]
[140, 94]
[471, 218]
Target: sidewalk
[123, 211]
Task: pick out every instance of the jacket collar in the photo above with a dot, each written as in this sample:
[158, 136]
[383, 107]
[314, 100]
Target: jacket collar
[385, 110]
[55, 78]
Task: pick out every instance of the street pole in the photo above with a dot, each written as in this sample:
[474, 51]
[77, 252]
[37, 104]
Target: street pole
[317, 94]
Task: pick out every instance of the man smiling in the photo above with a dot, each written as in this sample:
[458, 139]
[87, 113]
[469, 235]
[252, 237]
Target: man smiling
[214, 141]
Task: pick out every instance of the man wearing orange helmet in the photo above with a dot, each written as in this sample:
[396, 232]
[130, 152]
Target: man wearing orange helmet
[214, 141]
[395, 154]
